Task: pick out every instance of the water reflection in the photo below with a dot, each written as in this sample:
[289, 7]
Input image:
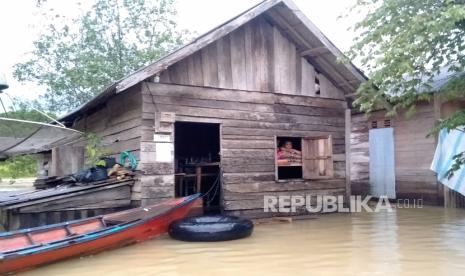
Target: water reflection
[428, 241]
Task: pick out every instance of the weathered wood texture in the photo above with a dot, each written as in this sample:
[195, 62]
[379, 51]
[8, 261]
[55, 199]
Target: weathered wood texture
[66, 160]
[414, 153]
[118, 121]
[255, 57]
[359, 155]
[249, 123]
[283, 14]
[49, 206]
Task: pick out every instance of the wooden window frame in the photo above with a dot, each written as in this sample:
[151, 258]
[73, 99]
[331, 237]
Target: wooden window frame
[328, 158]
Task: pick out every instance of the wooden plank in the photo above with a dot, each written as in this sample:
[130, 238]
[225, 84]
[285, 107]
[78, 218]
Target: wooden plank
[328, 69]
[267, 33]
[194, 92]
[198, 44]
[328, 123]
[241, 201]
[178, 72]
[280, 62]
[248, 144]
[277, 132]
[53, 194]
[251, 83]
[308, 78]
[165, 76]
[238, 59]
[260, 28]
[74, 201]
[273, 186]
[317, 51]
[224, 63]
[194, 69]
[321, 37]
[210, 65]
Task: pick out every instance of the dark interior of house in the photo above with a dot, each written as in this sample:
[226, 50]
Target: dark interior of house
[197, 162]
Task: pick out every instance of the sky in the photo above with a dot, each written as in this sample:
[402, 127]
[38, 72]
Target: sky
[19, 27]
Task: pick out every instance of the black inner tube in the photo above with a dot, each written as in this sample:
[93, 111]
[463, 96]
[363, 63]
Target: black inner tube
[211, 228]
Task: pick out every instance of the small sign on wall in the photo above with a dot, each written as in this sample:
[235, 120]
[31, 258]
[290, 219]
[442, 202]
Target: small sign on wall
[163, 138]
[167, 117]
[164, 152]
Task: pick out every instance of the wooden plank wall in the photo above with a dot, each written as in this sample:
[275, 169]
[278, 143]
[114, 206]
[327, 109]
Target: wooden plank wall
[249, 123]
[66, 160]
[359, 155]
[255, 57]
[413, 154]
[119, 122]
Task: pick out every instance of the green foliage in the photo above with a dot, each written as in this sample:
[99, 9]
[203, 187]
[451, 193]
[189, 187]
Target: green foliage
[459, 161]
[17, 167]
[76, 59]
[404, 44]
[95, 150]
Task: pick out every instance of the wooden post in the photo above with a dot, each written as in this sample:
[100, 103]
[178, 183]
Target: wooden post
[443, 192]
[347, 146]
[198, 173]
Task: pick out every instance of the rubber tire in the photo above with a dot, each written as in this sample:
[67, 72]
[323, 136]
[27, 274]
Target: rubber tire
[211, 228]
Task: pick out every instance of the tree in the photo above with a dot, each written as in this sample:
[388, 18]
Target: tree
[76, 59]
[404, 44]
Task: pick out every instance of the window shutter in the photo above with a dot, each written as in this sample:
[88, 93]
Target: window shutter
[317, 157]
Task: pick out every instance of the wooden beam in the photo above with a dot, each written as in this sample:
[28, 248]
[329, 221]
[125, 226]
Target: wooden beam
[288, 29]
[318, 51]
[321, 37]
[443, 192]
[332, 72]
[347, 150]
[329, 70]
[351, 95]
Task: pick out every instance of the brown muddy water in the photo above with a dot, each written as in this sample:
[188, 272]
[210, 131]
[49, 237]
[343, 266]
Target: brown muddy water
[426, 241]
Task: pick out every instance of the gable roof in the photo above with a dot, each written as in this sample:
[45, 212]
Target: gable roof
[310, 41]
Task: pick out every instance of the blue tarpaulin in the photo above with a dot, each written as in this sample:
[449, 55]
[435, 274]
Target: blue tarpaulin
[449, 144]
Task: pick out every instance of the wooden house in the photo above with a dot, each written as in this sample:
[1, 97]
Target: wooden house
[393, 155]
[210, 116]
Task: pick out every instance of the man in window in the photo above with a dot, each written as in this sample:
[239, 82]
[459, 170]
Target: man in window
[287, 154]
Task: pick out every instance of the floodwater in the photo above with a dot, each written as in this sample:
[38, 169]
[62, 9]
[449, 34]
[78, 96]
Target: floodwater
[426, 241]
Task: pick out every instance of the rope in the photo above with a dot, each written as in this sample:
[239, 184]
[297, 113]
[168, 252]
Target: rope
[6, 113]
[13, 106]
[216, 186]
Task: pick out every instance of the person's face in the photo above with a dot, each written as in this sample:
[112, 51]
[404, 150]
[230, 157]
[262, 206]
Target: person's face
[288, 145]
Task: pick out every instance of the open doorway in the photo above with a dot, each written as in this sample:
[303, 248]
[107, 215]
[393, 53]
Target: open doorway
[197, 162]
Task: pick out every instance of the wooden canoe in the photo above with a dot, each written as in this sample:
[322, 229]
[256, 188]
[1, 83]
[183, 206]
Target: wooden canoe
[24, 249]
